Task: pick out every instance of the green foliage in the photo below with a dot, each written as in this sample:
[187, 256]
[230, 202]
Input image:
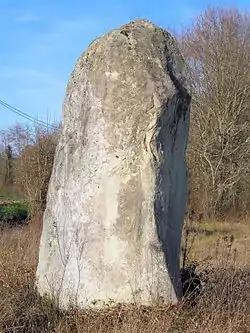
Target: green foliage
[13, 213]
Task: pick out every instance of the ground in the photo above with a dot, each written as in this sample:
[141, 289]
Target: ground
[211, 238]
[220, 249]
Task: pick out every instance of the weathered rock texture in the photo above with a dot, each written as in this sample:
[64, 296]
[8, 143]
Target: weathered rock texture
[116, 200]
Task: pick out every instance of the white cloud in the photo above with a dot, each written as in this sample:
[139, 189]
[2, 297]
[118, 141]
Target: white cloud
[34, 91]
[70, 26]
[27, 18]
[29, 75]
[34, 85]
[64, 35]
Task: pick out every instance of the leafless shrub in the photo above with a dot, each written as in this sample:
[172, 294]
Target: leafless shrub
[217, 49]
[33, 148]
[222, 307]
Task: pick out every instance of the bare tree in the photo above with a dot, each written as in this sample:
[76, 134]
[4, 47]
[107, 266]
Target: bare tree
[6, 161]
[9, 165]
[34, 165]
[29, 162]
[217, 49]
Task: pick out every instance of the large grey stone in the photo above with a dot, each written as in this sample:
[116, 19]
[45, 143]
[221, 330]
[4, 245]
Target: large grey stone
[117, 195]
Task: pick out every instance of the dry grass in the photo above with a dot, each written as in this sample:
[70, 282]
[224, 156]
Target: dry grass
[223, 307]
[210, 238]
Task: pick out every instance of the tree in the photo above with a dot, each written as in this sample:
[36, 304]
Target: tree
[34, 165]
[29, 156]
[9, 166]
[217, 49]
[6, 161]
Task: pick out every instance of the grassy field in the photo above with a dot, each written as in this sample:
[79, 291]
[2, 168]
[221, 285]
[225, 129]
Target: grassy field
[220, 249]
[212, 240]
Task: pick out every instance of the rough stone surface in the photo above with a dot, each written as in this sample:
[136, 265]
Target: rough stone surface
[117, 195]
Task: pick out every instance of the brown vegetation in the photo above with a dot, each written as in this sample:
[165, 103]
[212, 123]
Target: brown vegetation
[222, 307]
[217, 49]
[30, 161]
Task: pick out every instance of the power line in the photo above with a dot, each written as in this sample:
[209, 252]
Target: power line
[25, 115]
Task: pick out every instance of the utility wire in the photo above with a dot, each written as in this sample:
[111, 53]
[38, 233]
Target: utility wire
[25, 115]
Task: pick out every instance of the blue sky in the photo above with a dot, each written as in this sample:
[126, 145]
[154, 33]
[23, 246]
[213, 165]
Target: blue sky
[41, 40]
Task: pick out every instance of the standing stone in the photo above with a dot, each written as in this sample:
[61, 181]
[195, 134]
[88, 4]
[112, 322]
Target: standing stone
[116, 201]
